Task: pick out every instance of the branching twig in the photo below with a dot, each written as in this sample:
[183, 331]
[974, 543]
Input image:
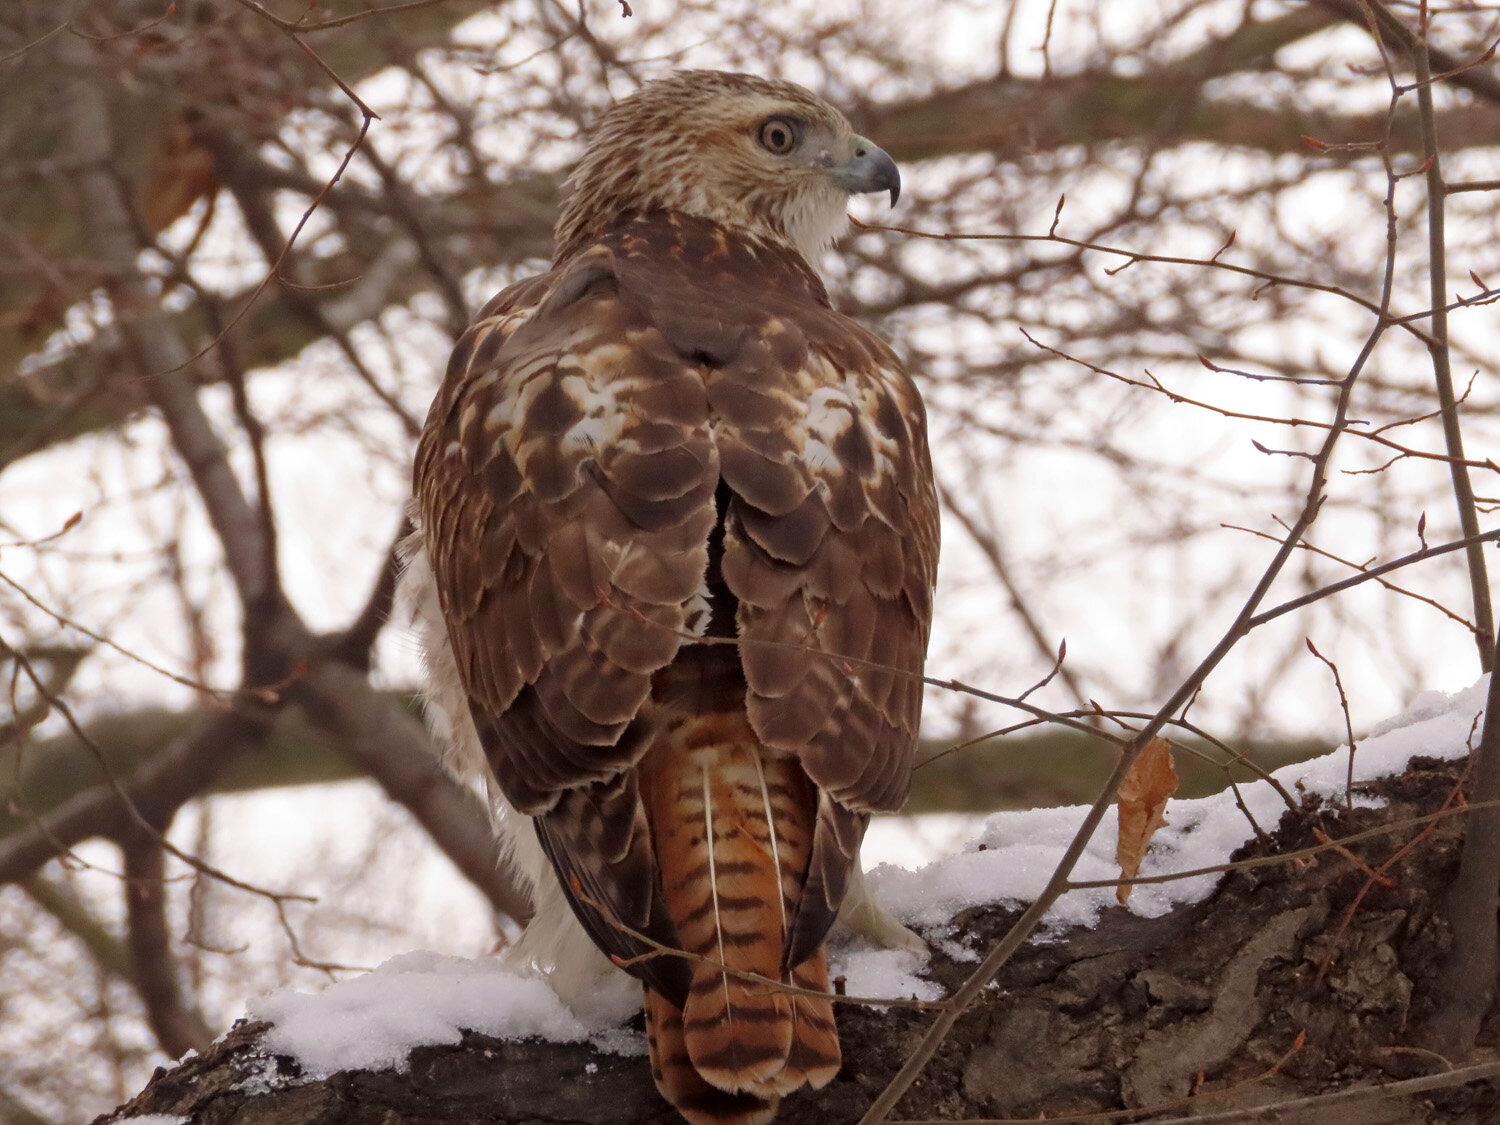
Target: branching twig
[1463, 490]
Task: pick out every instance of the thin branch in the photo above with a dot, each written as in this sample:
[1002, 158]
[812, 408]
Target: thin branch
[99, 638]
[304, 24]
[1328, 1106]
[1285, 857]
[1381, 308]
[182, 770]
[1437, 264]
[995, 556]
[390, 746]
[355, 644]
[1457, 619]
[1372, 574]
[159, 354]
[1338, 683]
[62, 664]
[58, 900]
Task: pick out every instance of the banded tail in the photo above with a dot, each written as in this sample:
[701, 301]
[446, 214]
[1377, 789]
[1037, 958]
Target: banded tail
[733, 830]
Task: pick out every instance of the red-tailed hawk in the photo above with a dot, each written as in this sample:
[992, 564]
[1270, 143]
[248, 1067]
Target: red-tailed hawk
[674, 571]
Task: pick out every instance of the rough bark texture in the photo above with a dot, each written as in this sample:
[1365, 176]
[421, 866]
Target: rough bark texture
[1294, 980]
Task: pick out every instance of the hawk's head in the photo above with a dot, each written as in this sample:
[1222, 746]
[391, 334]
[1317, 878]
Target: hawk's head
[768, 157]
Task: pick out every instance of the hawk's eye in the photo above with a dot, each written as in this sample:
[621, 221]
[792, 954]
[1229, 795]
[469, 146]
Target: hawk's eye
[779, 135]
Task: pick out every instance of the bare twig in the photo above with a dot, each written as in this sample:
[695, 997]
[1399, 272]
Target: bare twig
[1437, 258]
[58, 900]
[158, 351]
[390, 746]
[995, 556]
[1282, 857]
[1338, 683]
[182, 770]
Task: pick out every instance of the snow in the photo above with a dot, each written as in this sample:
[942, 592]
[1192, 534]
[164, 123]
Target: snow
[155, 1119]
[882, 973]
[373, 1021]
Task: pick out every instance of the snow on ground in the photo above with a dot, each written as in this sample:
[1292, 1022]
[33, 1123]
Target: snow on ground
[373, 1021]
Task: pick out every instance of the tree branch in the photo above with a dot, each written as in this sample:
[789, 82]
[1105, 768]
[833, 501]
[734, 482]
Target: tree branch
[1131, 1019]
[390, 745]
[107, 951]
[178, 1026]
[158, 354]
[487, 223]
[183, 770]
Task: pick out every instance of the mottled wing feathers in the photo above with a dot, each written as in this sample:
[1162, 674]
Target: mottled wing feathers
[831, 550]
[567, 481]
[830, 547]
[832, 533]
[598, 838]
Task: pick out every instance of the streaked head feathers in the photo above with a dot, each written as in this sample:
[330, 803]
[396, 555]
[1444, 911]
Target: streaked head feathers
[766, 157]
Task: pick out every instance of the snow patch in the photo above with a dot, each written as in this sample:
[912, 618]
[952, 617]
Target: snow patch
[372, 1022]
[885, 974]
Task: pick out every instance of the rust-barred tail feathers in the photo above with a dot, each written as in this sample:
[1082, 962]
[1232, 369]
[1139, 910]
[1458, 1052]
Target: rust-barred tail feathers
[733, 825]
[682, 1085]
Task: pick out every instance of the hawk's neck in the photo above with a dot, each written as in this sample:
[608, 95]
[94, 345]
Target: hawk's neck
[729, 257]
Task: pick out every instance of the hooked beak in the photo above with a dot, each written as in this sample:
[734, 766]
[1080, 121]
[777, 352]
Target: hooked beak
[869, 168]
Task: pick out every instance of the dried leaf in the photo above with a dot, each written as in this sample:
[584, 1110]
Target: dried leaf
[1143, 806]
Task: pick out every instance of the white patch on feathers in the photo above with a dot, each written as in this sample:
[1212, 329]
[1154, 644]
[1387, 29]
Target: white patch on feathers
[713, 882]
[815, 219]
[765, 798]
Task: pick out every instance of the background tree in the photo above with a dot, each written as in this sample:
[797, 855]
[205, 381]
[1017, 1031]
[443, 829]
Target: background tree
[1198, 243]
